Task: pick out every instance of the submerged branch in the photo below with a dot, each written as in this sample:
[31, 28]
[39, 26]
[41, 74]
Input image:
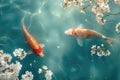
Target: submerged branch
[113, 14]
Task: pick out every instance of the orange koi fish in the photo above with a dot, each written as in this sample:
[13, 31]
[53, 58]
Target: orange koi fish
[87, 33]
[32, 42]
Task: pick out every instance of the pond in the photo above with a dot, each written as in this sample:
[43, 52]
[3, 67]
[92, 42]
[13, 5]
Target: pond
[79, 39]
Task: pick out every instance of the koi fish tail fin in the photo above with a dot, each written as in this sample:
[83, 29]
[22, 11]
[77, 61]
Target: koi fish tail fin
[110, 40]
[26, 33]
[22, 21]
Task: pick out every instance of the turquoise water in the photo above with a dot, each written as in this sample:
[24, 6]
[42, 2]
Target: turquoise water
[63, 55]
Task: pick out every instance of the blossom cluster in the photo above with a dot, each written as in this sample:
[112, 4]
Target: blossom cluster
[118, 28]
[99, 50]
[48, 73]
[8, 70]
[27, 76]
[99, 7]
[67, 3]
[117, 2]
[20, 53]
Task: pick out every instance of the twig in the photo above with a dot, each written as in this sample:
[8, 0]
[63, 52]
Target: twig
[113, 14]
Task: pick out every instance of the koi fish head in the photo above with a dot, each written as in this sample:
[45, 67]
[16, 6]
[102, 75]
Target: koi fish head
[70, 32]
[39, 51]
[41, 54]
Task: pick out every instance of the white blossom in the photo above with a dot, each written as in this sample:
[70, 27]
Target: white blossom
[1, 52]
[48, 75]
[99, 18]
[10, 72]
[76, 4]
[82, 10]
[66, 4]
[31, 64]
[3, 63]
[45, 67]
[93, 49]
[118, 27]
[27, 76]
[6, 57]
[102, 45]
[94, 9]
[107, 53]
[117, 2]
[99, 54]
[40, 70]
[20, 53]
[96, 6]
[99, 50]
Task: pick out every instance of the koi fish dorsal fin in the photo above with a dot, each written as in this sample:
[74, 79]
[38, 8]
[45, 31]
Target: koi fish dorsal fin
[80, 26]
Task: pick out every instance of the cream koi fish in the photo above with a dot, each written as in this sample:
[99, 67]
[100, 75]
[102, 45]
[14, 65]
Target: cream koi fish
[87, 33]
[32, 42]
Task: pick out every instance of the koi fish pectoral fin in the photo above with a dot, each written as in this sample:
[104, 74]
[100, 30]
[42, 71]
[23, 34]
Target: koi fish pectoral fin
[42, 45]
[80, 42]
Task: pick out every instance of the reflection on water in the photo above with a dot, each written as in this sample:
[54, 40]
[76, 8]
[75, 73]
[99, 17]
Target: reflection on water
[47, 21]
